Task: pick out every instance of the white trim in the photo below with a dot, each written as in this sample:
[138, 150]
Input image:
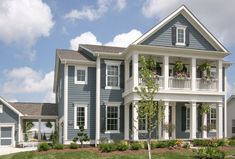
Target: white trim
[65, 102]
[12, 125]
[75, 115]
[112, 63]
[182, 10]
[10, 106]
[118, 118]
[83, 68]
[181, 27]
[1, 108]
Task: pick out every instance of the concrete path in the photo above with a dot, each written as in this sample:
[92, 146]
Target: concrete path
[10, 150]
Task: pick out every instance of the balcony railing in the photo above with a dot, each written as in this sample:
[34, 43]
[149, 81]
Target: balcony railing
[175, 83]
[159, 81]
[206, 85]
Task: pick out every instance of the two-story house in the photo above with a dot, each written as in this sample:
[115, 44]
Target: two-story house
[94, 86]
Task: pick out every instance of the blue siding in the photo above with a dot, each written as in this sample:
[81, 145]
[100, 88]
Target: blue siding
[61, 98]
[107, 95]
[81, 94]
[163, 36]
[9, 116]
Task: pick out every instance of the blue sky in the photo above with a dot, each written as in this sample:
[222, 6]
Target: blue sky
[31, 31]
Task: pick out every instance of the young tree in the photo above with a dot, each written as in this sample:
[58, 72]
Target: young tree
[147, 107]
[81, 136]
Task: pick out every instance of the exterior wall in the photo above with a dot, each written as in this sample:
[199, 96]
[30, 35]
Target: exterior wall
[81, 94]
[109, 95]
[163, 36]
[230, 116]
[9, 116]
[60, 98]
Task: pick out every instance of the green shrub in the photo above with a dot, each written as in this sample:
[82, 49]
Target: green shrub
[212, 142]
[186, 146]
[122, 146]
[163, 144]
[209, 153]
[43, 146]
[107, 147]
[232, 142]
[58, 146]
[73, 145]
[232, 138]
[135, 146]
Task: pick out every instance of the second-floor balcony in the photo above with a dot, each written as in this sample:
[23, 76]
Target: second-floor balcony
[191, 79]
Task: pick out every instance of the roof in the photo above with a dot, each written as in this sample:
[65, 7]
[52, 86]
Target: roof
[72, 55]
[102, 49]
[231, 98]
[36, 109]
[192, 19]
[10, 106]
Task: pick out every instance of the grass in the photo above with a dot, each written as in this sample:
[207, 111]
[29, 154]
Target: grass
[91, 155]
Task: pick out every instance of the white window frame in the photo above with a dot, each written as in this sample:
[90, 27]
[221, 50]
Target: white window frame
[76, 106]
[12, 125]
[75, 73]
[187, 119]
[146, 124]
[1, 108]
[233, 125]
[180, 27]
[118, 118]
[212, 107]
[112, 63]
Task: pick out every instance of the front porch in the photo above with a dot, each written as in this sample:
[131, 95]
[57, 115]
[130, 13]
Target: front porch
[182, 120]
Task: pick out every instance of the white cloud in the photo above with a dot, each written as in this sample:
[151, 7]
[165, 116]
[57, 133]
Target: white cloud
[217, 16]
[24, 20]
[92, 12]
[124, 39]
[84, 38]
[49, 97]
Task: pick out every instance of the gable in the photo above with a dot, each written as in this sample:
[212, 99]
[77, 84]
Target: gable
[163, 37]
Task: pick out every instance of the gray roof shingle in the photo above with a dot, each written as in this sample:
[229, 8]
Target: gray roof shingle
[72, 55]
[105, 49]
[36, 109]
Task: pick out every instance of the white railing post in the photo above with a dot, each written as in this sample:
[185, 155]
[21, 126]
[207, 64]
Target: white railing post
[166, 72]
[193, 74]
[135, 68]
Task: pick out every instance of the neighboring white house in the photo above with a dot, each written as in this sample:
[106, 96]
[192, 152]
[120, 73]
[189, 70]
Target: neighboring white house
[231, 116]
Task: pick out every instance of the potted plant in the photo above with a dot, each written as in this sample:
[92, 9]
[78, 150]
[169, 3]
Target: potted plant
[180, 70]
[206, 69]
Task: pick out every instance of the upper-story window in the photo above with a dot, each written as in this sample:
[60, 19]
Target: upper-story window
[1, 108]
[112, 74]
[180, 35]
[80, 75]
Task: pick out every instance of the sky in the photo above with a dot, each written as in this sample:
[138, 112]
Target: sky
[32, 30]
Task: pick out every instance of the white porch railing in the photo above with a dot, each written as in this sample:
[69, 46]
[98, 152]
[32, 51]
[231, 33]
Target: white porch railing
[204, 85]
[159, 81]
[175, 83]
[129, 84]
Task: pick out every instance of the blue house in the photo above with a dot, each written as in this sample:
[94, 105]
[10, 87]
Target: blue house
[94, 86]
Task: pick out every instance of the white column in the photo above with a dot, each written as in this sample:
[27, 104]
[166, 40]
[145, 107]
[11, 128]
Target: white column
[225, 104]
[135, 122]
[159, 126]
[220, 75]
[166, 72]
[65, 103]
[193, 74]
[126, 71]
[166, 120]
[193, 120]
[135, 71]
[126, 119]
[204, 123]
[219, 120]
[173, 120]
[97, 134]
[39, 130]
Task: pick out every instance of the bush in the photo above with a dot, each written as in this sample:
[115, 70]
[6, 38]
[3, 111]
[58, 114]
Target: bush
[43, 146]
[122, 146]
[232, 142]
[135, 146]
[58, 146]
[163, 144]
[209, 153]
[232, 138]
[73, 146]
[107, 147]
[212, 142]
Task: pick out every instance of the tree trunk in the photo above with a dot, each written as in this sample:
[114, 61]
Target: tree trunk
[149, 145]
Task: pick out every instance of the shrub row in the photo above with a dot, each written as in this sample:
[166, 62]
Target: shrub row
[232, 142]
[209, 153]
[45, 146]
[212, 142]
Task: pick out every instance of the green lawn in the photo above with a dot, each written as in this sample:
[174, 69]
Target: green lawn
[93, 155]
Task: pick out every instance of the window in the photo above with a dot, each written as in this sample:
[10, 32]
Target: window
[212, 118]
[112, 119]
[130, 68]
[1, 108]
[80, 75]
[80, 116]
[180, 35]
[143, 124]
[233, 126]
[112, 74]
[187, 118]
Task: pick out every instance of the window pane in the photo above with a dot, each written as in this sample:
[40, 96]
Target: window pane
[233, 129]
[180, 35]
[233, 123]
[81, 75]
[142, 124]
[112, 118]
[80, 116]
